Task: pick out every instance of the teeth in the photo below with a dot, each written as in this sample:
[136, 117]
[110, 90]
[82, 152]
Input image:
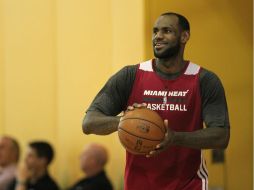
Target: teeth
[159, 44]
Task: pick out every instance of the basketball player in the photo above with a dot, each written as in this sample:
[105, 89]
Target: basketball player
[184, 94]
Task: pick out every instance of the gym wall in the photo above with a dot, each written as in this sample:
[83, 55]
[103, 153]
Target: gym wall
[55, 55]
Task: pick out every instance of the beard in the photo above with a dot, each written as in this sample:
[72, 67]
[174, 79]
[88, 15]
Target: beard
[168, 52]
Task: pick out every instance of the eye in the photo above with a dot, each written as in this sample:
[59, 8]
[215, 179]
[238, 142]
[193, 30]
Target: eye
[155, 30]
[168, 30]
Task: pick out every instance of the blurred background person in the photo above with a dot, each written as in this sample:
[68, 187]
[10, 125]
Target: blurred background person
[92, 162]
[33, 174]
[9, 156]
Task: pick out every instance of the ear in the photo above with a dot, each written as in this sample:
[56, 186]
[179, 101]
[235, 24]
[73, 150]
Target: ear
[185, 36]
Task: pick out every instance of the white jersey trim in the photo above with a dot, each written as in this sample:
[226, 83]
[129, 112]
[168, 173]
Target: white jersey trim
[146, 66]
[192, 69]
[203, 174]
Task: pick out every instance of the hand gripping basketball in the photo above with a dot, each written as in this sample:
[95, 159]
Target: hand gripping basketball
[141, 129]
[167, 141]
[136, 105]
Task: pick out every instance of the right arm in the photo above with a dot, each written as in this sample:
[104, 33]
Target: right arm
[101, 117]
[99, 123]
[23, 175]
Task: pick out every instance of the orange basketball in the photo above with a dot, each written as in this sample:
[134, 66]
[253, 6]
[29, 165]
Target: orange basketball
[140, 130]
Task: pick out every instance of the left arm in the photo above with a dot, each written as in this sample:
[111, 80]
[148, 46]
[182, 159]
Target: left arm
[214, 114]
[208, 138]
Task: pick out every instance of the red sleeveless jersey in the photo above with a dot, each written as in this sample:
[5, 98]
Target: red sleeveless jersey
[179, 101]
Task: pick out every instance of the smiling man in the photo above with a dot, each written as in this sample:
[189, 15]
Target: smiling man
[187, 96]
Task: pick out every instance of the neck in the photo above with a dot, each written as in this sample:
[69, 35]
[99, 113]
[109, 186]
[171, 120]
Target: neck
[38, 174]
[93, 173]
[171, 65]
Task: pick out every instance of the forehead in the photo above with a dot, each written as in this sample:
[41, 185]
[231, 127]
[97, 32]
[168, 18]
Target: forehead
[86, 151]
[5, 141]
[166, 21]
[30, 151]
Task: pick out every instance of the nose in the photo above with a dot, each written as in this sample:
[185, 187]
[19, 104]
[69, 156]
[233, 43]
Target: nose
[158, 35]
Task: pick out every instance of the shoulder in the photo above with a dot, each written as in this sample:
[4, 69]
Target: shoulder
[113, 96]
[208, 77]
[124, 75]
[210, 85]
[131, 68]
[50, 183]
[127, 71]
[79, 184]
[104, 180]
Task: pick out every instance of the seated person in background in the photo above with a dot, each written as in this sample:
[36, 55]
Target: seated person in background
[33, 175]
[9, 156]
[92, 161]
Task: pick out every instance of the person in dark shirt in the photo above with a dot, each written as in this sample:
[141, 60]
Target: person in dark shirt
[34, 175]
[92, 162]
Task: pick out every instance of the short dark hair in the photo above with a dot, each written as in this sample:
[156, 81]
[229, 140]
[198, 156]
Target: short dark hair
[183, 22]
[43, 150]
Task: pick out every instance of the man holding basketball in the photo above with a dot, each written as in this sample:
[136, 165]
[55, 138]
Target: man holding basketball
[184, 94]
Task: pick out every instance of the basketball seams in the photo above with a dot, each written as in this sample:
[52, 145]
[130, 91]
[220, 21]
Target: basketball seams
[138, 118]
[129, 148]
[139, 136]
[141, 130]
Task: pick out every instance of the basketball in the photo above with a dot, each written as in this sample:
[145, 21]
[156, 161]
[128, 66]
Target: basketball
[140, 130]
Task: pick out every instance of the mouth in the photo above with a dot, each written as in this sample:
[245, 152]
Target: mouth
[160, 45]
